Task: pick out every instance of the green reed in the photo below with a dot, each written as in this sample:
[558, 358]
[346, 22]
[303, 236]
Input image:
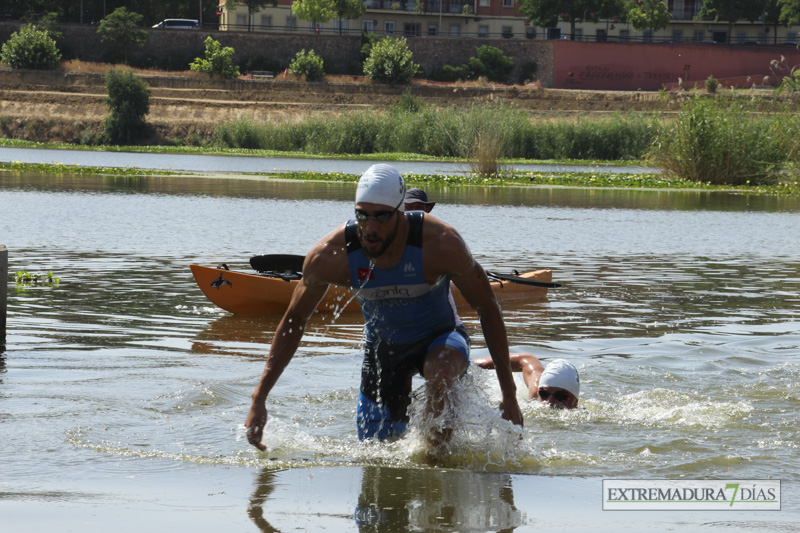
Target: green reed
[723, 141]
[474, 133]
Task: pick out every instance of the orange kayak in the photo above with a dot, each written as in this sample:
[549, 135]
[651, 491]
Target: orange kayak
[241, 292]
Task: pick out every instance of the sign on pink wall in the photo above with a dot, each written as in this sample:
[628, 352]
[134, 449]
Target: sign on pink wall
[649, 67]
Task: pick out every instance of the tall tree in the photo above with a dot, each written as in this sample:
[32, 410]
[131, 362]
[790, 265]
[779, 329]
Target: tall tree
[772, 18]
[314, 11]
[731, 11]
[547, 13]
[647, 14]
[348, 9]
[790, 12]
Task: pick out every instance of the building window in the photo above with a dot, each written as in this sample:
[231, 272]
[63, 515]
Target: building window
[677, 36]
[578, 34]
[530, 32]
[266, 21]
[412, 29]
[484, 3]
[508, 33]
[698, 35]
[455, 30]
[340, 25]
[483, 32]
[241, 21]
[508, 3]
[388, 27]
[624, 35]
[552, 33]
[791, 36]
[291, 23]
[367, 26]
[432, 30]
[647, 36]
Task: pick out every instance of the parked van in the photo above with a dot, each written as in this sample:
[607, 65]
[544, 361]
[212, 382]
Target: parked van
[178, 24]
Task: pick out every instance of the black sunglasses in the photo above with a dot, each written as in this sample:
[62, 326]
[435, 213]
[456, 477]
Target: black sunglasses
[380, 216]
[560, 396]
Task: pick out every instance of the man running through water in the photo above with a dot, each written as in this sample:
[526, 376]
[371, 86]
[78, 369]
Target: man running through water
[400, 266]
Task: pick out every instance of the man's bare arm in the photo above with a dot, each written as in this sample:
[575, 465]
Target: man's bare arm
[320, 269]
[470, 278]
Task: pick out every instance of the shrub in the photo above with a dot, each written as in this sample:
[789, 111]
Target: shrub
[308, 64]
[408, 103]
[129, 102]
[368, 40]
[218, 61]
[390, 62]
[711, 84]
[452, 73]
[790, 83]
[121, 30]
[527, 71]
[491, 63]
[29, 47]
[720, 142]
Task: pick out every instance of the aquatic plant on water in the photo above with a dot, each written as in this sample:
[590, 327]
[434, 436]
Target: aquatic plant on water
[27, 279]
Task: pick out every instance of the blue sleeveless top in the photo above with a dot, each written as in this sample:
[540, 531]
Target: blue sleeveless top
[399, 306]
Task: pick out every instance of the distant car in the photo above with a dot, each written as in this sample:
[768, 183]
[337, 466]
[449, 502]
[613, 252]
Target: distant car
[178, 24]
[749, 43]
[788, 43]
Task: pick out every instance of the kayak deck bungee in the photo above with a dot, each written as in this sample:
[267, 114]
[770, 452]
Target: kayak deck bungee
[242, 292]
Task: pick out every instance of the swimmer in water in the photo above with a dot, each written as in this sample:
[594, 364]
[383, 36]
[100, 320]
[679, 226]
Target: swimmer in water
[558, 384]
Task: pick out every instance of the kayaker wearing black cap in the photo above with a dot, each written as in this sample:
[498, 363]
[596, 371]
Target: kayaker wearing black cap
[417, 200]
[400, 266]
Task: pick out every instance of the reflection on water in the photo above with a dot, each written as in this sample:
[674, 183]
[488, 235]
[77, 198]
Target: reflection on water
[681, 312]
[393, 500]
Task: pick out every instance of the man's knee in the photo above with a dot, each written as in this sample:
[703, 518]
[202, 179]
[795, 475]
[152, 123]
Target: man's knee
[444, 363]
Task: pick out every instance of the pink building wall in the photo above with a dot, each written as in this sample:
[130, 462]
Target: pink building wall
[630, 67]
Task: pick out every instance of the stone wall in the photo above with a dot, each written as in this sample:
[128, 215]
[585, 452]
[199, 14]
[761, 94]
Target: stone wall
[342, 51]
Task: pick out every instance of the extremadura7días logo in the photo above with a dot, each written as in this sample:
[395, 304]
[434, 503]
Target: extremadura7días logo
[691, 495]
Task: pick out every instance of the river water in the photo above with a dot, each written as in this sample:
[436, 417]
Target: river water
[123, 390]
[248, 164]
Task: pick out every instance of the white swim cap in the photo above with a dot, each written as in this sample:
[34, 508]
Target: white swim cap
[382, 184]
[562, 374]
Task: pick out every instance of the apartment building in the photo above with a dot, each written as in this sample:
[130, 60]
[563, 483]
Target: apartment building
[499, 19]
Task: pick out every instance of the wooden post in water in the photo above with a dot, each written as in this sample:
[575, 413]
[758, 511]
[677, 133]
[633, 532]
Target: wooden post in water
[3, 293]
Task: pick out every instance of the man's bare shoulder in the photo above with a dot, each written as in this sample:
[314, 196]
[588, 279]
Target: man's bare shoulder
[444, 250]
[439, 233]
[326, 263]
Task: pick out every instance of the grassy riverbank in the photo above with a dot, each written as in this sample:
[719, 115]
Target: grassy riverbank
[724, 143]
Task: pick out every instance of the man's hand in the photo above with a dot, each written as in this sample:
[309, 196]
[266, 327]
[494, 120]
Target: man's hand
[256, 420]
[510, 409]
